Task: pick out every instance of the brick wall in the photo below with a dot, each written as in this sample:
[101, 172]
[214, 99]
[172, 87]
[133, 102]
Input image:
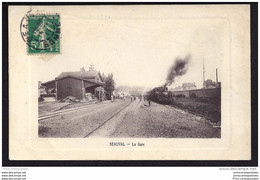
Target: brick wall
[216, 92]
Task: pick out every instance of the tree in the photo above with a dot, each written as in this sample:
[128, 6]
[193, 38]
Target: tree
[209, 83]
[109, 85]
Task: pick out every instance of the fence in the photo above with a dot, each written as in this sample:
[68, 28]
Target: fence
[214, 92]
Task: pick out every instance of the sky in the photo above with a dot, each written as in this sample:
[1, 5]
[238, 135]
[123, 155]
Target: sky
[139, 51]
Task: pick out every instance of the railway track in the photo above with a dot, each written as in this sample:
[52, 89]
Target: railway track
[88, 134]
[57, 113]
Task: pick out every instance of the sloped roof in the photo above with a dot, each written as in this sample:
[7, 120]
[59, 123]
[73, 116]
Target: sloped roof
[78, 74]
[81, 75]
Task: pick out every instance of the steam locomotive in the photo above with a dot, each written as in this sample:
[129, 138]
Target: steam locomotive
[160, 95]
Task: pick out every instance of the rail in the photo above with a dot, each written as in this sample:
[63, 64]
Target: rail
[107, 120]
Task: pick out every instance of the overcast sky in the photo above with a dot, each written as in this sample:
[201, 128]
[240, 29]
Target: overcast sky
[139, 52]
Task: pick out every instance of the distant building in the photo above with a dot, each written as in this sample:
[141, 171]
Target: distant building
[41, 89]
[77, 84]
[178, 88]
[188, 86]
[211, 84]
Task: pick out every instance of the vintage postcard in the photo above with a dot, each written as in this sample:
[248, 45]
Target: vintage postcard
[132, 82]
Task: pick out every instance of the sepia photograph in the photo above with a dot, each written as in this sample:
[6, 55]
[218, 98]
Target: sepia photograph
[129, 82]
[153, 78]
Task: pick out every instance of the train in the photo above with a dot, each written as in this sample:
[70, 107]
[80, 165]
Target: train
[160, 95]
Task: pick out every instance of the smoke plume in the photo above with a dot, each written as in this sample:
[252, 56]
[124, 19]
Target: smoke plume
[178, 68]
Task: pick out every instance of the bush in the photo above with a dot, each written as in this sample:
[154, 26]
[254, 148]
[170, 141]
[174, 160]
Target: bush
[40, 99]
[180, 95]
[193, 95]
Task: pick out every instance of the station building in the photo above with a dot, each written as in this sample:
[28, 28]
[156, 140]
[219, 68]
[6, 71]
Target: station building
[78, 84]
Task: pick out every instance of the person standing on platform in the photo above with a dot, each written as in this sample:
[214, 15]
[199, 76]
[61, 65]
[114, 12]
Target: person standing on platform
[149, 100]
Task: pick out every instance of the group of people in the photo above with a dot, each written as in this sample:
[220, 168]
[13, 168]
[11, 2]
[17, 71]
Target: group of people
[133, 98]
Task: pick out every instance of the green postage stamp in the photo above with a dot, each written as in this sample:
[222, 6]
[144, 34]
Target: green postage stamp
[43, 34]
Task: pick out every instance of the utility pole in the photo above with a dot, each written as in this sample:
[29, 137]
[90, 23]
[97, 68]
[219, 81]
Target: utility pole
[217, 75]
[203, 73]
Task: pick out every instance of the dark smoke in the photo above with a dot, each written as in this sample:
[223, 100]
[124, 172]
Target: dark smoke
[178, 68]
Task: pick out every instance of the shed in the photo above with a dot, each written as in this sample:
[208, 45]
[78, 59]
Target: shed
[77, 84]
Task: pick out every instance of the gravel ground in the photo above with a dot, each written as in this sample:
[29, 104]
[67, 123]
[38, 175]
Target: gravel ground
[137, 120]
[207, 107]
[80, 122]
[164, 121]
[47, 107]
[109, 128]
[79, 104]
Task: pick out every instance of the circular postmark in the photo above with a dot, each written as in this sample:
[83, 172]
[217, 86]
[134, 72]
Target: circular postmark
[41, 33]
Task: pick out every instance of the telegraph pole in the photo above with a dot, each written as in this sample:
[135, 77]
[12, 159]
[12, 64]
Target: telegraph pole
[203, 73]
[217, 75]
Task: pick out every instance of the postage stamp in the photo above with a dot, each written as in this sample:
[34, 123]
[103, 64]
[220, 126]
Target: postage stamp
[43, 34]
